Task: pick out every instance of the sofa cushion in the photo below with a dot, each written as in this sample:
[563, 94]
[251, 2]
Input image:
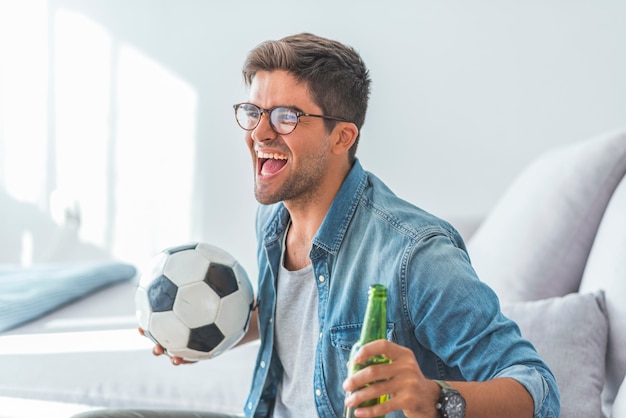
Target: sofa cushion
[606, 269]
[570, 334]
[535, 242]
[27, 293]
[619, 407]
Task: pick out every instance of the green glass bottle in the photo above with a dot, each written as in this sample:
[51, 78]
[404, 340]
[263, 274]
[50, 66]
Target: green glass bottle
[374, 328]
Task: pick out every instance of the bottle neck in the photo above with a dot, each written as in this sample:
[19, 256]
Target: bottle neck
[375, 320]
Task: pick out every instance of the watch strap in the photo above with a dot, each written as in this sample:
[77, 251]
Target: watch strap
[443, 384]
[448, 391]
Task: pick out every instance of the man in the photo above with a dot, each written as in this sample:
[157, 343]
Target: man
[326, 230]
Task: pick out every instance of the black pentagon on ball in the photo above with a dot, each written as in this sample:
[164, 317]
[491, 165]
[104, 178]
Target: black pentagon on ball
[221, 279]
[161, 294]
[205, 338]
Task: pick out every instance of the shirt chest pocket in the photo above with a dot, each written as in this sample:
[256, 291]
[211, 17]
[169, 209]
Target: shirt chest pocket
[343, 337]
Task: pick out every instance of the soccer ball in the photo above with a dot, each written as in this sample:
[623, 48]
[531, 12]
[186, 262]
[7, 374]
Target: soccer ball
[195, 300]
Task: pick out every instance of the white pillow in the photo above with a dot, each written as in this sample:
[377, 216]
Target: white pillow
[570, 334]
[606, 269]
[535, 242]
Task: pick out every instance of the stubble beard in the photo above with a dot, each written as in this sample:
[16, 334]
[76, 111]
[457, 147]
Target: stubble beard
[301, 187]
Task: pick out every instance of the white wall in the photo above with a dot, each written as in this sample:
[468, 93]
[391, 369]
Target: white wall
[465, 94]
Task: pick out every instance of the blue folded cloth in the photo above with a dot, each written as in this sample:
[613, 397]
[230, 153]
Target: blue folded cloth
[27, 293]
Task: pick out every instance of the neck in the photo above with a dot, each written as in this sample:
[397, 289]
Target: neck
[305, 222]
[307, 212]
[307, 216]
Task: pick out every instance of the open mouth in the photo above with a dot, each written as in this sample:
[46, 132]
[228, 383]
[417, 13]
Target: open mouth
[270, 163]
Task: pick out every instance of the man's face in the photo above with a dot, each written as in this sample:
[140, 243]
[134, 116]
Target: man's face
[289, 168]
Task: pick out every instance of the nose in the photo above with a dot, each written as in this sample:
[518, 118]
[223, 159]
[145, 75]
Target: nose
[263, 131]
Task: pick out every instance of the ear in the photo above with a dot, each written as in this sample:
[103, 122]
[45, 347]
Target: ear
[344, 135]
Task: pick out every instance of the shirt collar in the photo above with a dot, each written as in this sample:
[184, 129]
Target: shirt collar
[333, 228]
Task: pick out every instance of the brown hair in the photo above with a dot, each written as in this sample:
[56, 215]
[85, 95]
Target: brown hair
[335, 74]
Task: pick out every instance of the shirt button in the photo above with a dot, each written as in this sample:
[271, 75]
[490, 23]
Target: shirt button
[318, 392]
[249, 405]
[322, 278]
[321, 335]
[262, 364]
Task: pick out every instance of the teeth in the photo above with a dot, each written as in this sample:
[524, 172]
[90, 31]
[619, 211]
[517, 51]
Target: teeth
[271, 155]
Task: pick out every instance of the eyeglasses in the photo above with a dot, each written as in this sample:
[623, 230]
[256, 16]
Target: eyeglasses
[283, 120]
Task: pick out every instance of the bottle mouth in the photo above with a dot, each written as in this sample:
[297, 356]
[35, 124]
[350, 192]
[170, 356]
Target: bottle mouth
[377, 290]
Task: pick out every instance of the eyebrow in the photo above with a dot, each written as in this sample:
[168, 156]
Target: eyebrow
[291, 106]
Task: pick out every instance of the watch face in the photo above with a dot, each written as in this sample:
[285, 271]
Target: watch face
[454, 406]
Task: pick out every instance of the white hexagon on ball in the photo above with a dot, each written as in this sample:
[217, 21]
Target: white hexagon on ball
[196, 304]
[231, 316]
[169, 330]
[215, 254]
[186, 267]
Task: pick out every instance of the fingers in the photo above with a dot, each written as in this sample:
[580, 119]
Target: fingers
[368, 377]
[402, 378]
[387, 348]
[158, 350]
[373, 400]
[177, 361]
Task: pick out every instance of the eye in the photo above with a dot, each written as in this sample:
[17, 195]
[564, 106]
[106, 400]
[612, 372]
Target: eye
[252, 112]
[285, 116]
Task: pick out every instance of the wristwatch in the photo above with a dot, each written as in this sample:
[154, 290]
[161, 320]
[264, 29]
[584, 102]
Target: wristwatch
[450, 404]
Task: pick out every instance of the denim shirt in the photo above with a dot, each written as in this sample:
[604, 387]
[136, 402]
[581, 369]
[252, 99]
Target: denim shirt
[436, 305]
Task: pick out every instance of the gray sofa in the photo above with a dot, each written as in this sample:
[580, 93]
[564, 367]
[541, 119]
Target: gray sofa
[553, 248]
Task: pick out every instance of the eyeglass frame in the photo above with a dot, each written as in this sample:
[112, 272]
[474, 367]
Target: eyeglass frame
[268, 113]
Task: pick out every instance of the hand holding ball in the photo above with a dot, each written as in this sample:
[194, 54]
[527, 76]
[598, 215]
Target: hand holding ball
[194, 300]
